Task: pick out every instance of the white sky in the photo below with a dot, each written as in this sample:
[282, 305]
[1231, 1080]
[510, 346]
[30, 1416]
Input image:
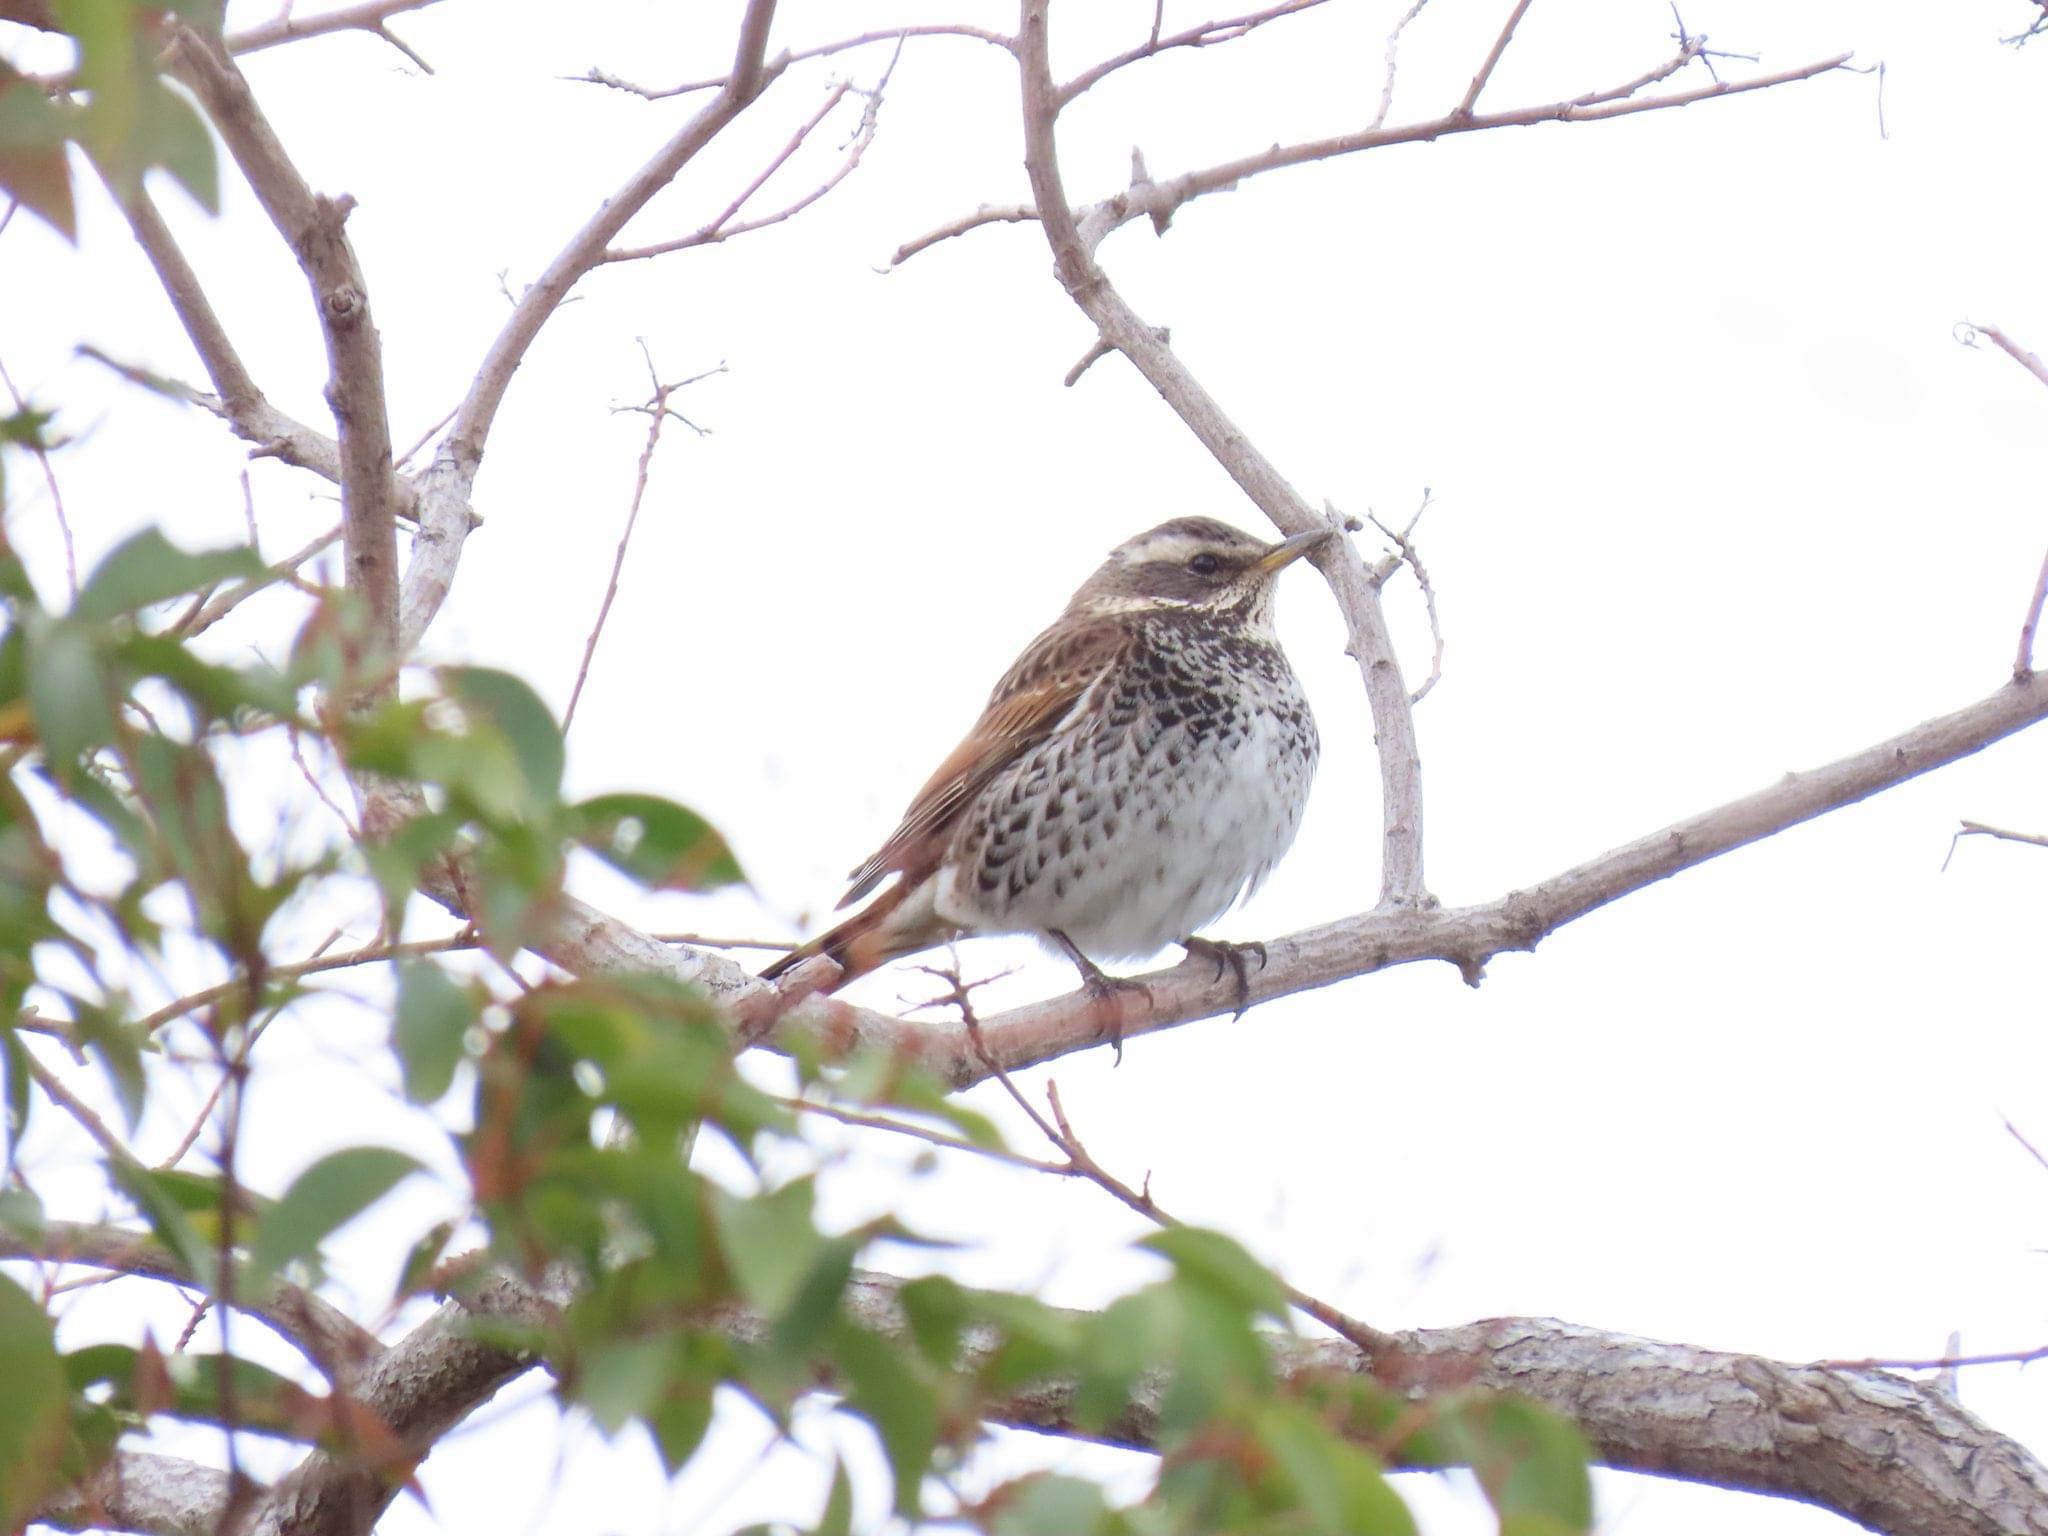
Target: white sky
[1718, 495]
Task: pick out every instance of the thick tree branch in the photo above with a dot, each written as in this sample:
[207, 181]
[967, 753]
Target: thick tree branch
[311, 226]
[1896, 1455]
[320, 1331]
[1466, 937]
[146, 1492]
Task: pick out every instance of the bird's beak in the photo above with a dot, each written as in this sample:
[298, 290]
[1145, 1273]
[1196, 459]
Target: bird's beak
[1287, 551]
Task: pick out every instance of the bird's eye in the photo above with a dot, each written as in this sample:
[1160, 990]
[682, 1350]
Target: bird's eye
[1205, 564]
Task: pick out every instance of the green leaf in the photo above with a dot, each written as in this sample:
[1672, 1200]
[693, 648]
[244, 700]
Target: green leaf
[33, 1407]
[21, 1213]
[1334, 1482]
[770, 1243]
[1221, 1265]
[655, 841]
[34, 169]
[837, 1520]
[520, 716]
[886, 1391]
[1051, 1505]
[433, 1016]
[335, 1190]
[161, 1196]
[620, 1381]
[69, 696]
[1531, 1462]
[149, 568]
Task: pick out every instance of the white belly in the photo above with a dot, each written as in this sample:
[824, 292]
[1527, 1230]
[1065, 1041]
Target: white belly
[1126, 881]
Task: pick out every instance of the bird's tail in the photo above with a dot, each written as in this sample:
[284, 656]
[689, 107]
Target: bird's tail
[900, 921]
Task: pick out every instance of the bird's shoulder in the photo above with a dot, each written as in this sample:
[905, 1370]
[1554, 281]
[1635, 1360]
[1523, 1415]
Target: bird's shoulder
[1046, 682]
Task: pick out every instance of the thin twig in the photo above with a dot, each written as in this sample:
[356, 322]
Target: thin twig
[1080, 1163]
[1204, 35]
[202, 617]
[1393, 58]
[1948, 1362]
[42, 458]
[721, 228]
[1406, 555]
[658, 413]
[1500, 46]
[798, 56]
[1968, 332]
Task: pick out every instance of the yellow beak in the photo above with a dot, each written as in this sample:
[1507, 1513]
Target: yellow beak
[1287, 551]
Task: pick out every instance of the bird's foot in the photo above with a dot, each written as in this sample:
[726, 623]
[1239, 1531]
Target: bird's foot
[1225, 953]
[1105, 992]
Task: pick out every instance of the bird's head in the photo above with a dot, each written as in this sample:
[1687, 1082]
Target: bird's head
[1193, 564]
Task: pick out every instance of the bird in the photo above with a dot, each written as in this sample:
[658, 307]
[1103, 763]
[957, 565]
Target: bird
[1143, 765]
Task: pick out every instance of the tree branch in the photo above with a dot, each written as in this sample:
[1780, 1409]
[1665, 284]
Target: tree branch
[1894, 1454]
[1371, 644]
[1466, 937]
[445, 487]
[311, 226]
[328, 1337]
[148, 1492]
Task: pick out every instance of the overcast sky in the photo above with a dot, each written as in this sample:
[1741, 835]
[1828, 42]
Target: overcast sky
[1716, 495]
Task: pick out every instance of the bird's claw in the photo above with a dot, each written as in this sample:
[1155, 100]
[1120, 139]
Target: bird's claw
[1225, 953]
[1105, 993]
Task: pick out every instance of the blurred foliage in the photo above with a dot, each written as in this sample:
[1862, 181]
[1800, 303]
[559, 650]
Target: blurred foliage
[120, 110]
[575, 1100]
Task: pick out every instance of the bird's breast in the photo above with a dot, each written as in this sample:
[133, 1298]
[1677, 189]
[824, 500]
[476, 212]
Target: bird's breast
[1171, 789]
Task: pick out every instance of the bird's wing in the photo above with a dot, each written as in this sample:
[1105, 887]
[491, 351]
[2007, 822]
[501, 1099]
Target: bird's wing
[1035, 695]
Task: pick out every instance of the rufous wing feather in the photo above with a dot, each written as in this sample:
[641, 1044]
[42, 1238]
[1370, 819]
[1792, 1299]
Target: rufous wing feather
[1052, 677]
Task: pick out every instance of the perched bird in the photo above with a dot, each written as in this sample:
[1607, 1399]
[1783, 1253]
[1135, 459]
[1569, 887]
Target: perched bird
[1141, 766]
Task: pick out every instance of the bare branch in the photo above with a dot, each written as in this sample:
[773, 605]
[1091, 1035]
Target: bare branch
[1980, 829]
[221, 604]
[802, 55]
[1159, 200]
[1950, 1361]
[445, 515]
[987, 213]
[1401, 876]
[1968, 333]
[236, 400]
[657, 416]
[311, 227]
[1205, 35]
[722, 227]
[42, 458]
[367, 16]
[2023, 659]
[1500, 46]
[323, 1333]
[1466, 937]
[1393, 61]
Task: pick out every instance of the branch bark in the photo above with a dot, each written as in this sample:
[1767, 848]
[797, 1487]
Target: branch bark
[312, 228]
[1896, 1455]
[322, 1332]
[1466, 937]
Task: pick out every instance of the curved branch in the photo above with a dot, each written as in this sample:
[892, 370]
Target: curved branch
[312, 227]
[445, 486]
[322, 1332]
[1371, 643]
